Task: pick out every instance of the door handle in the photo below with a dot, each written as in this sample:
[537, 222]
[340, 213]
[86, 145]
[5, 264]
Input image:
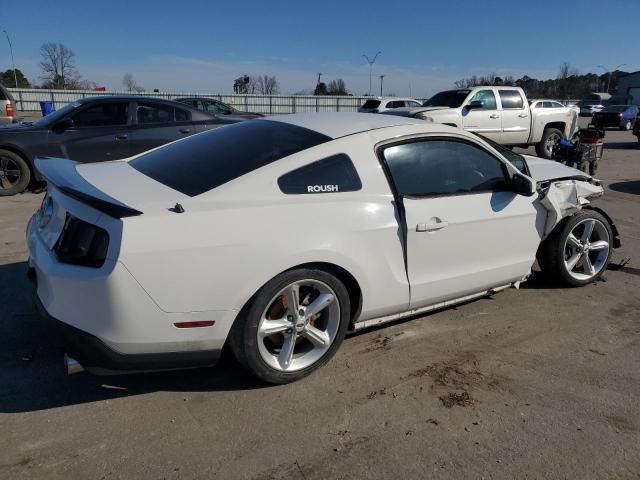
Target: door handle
[523, 115]
[122, 137]
[185, 130]
[431, 227]
[494, 115]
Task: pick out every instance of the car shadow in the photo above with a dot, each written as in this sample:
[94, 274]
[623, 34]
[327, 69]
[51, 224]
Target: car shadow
[629, 186]
[33, 377]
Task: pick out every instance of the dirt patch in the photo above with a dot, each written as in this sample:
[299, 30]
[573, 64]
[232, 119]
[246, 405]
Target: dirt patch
[461, 399]
[382, 342]
[449, 374]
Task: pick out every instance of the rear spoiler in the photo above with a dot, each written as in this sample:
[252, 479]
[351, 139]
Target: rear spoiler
[62, 173]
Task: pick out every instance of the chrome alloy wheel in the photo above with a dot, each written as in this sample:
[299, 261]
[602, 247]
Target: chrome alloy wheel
[9, 172]
[299, 325]
[551, 141]
[586, 249]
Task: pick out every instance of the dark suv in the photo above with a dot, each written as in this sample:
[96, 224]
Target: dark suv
[96, 129]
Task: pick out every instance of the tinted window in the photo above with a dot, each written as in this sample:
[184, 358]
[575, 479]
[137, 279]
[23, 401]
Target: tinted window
[443, 167]
[511, 99]
[148, 113]
[487, 98]
[413, 103]
[331, 174]
[103, 114]
[514, 158]
[371, 104]
[182, 115]
[450, 98]
[218, 156]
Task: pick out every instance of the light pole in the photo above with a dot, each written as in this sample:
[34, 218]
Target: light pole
[610, 72]
[371, 62]
[381, 78]
[13, 64]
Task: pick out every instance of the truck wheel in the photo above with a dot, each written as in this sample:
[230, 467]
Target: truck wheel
[14, 173]
[292, 326]
[550, 138]
[579, 249]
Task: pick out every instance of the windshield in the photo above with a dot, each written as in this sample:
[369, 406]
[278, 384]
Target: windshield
[57, 115]
[450, 98]
[514, 158]
[615, 108]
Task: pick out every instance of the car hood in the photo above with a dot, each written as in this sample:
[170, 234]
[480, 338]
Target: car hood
[545, 170]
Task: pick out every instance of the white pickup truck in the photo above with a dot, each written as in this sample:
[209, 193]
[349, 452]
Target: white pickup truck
[499, 113]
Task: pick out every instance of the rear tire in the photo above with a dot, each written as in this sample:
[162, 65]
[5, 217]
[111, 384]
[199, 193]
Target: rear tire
[15, 174]
[574, 257]
[281, 345]
[550, 138]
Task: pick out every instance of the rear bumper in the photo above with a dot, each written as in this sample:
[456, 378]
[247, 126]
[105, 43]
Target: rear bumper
[97, 357]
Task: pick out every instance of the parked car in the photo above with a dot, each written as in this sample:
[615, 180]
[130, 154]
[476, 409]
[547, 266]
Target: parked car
[379, 105]
[95, 129]
[619, 116]
[216, 107]
[277, 236]
[544, 103]
[7, 106]
[636, 127]
[587, 110]
[499, 113]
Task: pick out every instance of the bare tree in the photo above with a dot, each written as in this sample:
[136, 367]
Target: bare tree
[58, 66]
[130, 83]
[337, 87]
[267, 85]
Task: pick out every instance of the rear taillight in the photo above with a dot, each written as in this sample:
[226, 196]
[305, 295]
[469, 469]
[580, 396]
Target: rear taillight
[81, 243]
[9, 109]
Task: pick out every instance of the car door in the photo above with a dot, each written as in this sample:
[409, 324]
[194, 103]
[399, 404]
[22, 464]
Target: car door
[516, 118]
[466, 231]
[95, 133]
[485, 120]
[158, 123]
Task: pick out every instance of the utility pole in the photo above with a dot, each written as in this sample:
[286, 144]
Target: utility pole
[381, 78]
[319, 76]
[13, 64]
[371, 62]
[610, 72]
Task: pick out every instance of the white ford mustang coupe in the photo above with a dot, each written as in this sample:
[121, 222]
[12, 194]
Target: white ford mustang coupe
[277, 236]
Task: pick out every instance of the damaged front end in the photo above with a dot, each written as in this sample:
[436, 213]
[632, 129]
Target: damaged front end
[564, 197]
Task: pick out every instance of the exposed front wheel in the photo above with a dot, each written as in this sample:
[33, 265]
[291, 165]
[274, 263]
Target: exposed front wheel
[14, 173]
[292, 326]
[578, 251]
[550, 138]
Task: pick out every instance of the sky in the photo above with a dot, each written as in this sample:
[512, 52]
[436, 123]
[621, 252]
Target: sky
[202, 46]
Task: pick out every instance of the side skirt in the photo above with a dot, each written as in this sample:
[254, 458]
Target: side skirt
[436, 306]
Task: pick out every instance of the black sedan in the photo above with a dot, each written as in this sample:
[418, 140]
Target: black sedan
[216, 107]
[619, 116]
[96, 129]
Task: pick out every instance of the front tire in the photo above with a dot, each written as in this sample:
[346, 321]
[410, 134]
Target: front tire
[579, 249]
[627, 126]
[292, 326]
[15, 174]
[550, 138]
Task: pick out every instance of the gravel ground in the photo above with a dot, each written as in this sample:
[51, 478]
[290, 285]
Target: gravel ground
[537, 383]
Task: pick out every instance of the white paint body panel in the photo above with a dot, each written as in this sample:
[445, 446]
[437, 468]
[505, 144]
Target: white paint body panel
[206, 263]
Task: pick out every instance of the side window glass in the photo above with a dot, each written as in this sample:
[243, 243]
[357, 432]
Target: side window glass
[222, 108]
[487, 98]
[443, 167]
[150, 113]
[511, 99]
[330, 175]
[103, 114]
[182, 115]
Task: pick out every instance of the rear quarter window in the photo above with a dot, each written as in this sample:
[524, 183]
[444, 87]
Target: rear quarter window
[205, 161]
[330, 175]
